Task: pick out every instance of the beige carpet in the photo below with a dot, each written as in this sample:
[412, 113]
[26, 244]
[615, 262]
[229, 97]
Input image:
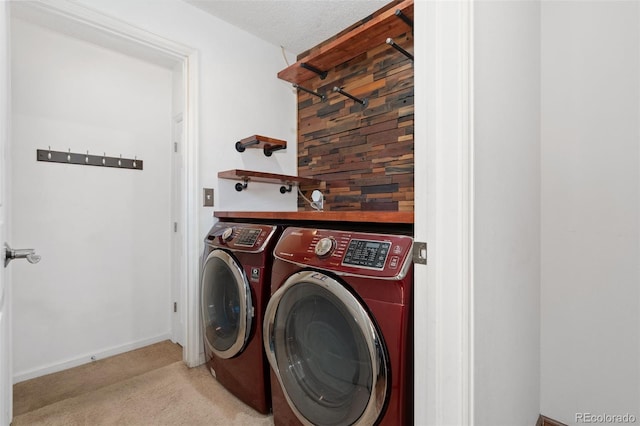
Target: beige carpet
[125, 390]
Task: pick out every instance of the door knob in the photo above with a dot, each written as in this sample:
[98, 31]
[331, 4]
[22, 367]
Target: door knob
[10, 254]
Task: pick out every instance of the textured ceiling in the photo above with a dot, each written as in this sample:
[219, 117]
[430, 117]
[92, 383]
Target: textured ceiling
[295, 25]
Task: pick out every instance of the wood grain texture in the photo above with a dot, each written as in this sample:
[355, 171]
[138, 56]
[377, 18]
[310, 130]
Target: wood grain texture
[363, 155]
[367, 34]
[546, 421]
[325, 216]
[253, 176]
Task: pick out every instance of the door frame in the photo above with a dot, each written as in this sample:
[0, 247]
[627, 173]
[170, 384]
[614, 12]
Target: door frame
[6, 355]
[444, 206]
[120, 35]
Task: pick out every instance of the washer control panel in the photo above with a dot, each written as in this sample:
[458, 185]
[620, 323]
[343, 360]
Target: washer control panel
[369, 254]
[240, 236]
[356, 253]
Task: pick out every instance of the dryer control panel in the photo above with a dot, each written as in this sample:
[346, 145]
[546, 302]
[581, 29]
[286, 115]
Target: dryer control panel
[240, 237]
[354, 253]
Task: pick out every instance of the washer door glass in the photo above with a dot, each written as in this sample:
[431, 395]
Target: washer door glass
[226, 305]
[326, 352]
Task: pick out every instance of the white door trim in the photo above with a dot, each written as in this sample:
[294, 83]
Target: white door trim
[121, 34]
[6, 353]
[443, 291]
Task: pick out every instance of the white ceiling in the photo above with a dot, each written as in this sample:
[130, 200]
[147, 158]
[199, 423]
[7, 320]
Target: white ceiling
[296, 25]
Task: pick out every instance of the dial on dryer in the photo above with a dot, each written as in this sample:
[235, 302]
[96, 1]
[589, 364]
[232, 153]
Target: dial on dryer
[324, 247]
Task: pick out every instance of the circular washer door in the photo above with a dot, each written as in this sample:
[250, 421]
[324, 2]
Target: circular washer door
[225, 304]
[325, 351]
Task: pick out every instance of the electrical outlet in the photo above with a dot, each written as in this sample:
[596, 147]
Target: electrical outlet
[207, 198]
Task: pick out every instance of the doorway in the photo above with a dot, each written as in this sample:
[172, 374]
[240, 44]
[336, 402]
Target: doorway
[106, 235]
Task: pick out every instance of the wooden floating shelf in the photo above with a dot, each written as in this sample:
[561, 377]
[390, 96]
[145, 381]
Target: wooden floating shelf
[247, 176]
[405, 218]
[268, 145]
[351, 44]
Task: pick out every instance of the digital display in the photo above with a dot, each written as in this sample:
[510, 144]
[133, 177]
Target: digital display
[368, 254]
[247, 237]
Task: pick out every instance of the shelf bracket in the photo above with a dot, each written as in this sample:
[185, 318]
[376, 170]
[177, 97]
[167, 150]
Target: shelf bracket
[270, 149]
[322, 74]
[284, 189]
[241, 147]
[393, 44]
[363, 102]
[243, 185]
[304, 89]
[404, 18]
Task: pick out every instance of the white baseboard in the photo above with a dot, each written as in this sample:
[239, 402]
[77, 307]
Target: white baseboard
[86, 358]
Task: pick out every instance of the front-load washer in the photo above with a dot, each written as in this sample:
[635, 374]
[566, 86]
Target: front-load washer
[338, 328]
[234, 292]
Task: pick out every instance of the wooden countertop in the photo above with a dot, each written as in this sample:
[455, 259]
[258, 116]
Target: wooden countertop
[325, 216]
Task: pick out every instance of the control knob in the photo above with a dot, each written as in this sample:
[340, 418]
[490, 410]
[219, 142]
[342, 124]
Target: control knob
[226, 235]
[325, 247]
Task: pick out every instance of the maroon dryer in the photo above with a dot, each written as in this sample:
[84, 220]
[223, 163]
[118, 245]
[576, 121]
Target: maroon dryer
[338, 328]
[234, 292]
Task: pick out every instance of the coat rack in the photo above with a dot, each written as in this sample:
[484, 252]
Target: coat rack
[69, 157]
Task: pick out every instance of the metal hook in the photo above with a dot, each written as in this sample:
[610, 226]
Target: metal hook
[363, 102]
[393, 44]
[135, 162]
[86, 158]
[304, 89]
[69, 155]
[104, 159]
[49, 154]
[404, 17]
[120, 161]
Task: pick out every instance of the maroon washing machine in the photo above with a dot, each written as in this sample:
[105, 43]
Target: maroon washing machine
[338, 328]
[234, 292]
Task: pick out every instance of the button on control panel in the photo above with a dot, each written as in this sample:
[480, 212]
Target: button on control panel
[369, 254]
[247, 237]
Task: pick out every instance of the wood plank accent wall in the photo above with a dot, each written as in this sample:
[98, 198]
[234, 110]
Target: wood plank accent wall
[364, 156]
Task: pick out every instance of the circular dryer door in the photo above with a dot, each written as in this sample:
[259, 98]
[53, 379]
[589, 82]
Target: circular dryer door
[326, 352]
[225, 304]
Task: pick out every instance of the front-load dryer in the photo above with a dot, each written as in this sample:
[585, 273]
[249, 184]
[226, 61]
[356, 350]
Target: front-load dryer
[338, 328]
[234, 292]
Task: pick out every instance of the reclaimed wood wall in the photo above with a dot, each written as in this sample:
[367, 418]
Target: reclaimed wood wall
[363, 155]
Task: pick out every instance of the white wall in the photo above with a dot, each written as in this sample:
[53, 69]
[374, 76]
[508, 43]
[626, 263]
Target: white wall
[590, 209]
[506, 212]
[239, 96]
[103, 234]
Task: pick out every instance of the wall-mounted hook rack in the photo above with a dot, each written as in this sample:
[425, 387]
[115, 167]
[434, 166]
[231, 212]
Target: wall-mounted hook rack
[393, 44]
[311, 92]
[268, 145]
[322, 74]
[363, 102]
[49, 156]
[404, 18]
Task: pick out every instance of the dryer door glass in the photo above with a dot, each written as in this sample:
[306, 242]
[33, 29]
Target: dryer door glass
[226, 305]
[327, 353]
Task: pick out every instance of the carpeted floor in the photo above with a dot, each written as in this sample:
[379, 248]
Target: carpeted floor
[149, 386]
